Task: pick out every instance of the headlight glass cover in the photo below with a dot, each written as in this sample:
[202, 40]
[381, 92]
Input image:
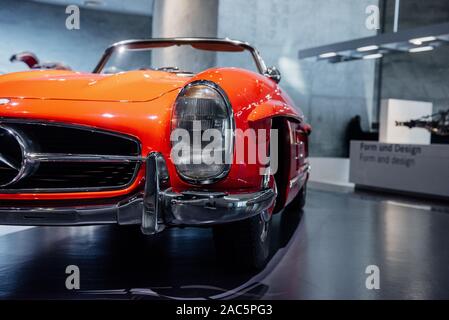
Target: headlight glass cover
[202, 149]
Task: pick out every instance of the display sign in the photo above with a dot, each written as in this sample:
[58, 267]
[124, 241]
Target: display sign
[401, 167]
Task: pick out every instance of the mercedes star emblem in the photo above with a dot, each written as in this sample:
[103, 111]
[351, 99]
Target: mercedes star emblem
[13, 164]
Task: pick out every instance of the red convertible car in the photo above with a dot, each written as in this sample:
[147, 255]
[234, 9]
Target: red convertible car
[143, 141]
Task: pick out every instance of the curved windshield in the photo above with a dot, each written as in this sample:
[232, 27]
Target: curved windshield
[173, 56]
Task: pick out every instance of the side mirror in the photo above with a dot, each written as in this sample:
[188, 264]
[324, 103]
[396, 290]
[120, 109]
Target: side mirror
[274, 74]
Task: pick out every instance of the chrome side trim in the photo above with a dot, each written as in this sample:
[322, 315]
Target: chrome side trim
[309, 168]
[68, 157]
[295, 180]
[304, 170]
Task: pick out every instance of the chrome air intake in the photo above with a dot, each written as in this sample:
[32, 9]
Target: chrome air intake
[45, 157]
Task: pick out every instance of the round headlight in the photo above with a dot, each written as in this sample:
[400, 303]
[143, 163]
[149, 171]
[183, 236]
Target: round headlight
[202, 133]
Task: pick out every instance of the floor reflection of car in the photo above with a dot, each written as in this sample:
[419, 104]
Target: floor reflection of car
[187, 264]
[96, 148]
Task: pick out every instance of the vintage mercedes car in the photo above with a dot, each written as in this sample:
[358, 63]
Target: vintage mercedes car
[97, 148]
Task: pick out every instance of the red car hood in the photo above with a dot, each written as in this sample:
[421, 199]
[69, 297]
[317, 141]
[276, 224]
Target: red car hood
[67, 85]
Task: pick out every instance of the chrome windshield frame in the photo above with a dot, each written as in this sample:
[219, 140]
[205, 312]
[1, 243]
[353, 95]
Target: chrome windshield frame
[260, 64]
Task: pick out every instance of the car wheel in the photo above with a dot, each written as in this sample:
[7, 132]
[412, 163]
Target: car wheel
[299, 201]
[244, 243]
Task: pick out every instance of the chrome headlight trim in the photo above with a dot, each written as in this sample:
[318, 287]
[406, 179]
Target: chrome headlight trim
[230, 151]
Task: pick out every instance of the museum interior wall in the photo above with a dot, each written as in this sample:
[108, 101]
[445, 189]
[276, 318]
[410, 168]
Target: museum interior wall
[194, 18]
[40, 28]
[423, 76]
[329, 94]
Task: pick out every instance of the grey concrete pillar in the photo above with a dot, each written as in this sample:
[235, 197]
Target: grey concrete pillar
[181, 18]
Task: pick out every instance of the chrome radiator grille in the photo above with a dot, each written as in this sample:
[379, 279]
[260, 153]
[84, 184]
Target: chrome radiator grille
[51, 157]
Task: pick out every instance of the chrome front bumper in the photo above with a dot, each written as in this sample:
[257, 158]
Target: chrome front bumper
[153, 209]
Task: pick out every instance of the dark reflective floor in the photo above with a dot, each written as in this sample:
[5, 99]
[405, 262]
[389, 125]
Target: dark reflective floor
[321, 253]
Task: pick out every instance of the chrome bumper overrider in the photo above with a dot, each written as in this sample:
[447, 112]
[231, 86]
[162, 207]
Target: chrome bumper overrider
[154, 209]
